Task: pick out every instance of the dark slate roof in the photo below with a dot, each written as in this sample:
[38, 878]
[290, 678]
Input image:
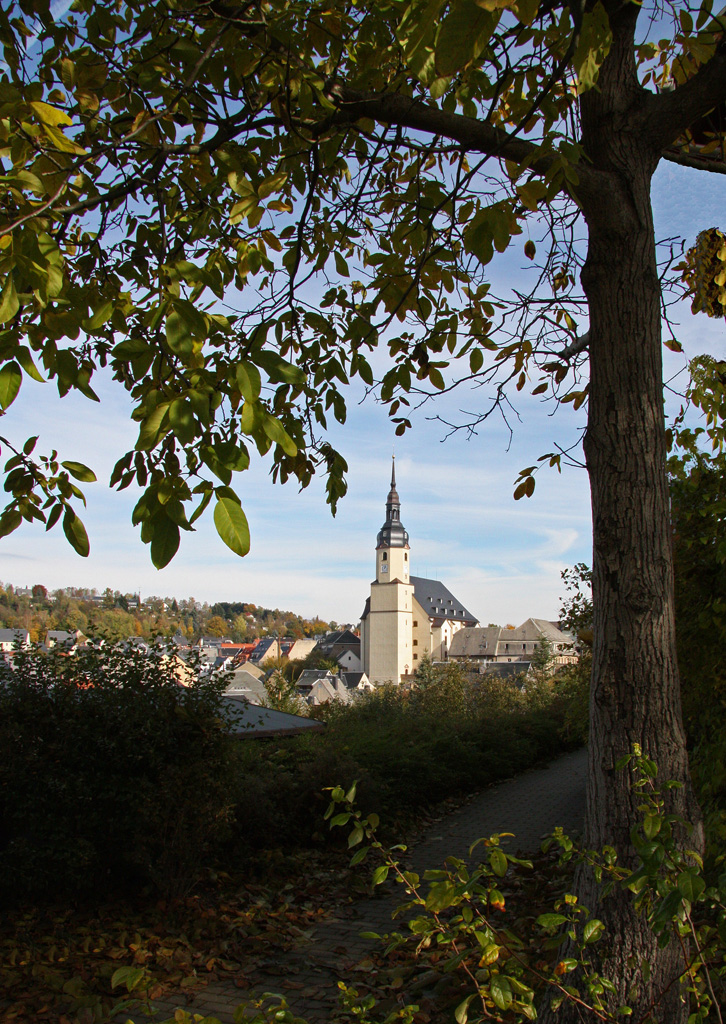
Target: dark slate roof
[351, 679]
[503, 669]
[340, 638]
[366, 609]
[14, 636]
[313, 675]
[263, 647]
[392, 534]
[438, 601]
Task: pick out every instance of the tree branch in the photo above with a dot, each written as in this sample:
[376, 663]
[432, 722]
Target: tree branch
[691, 157]
[669, 114]
[575, 347]
[473, 135]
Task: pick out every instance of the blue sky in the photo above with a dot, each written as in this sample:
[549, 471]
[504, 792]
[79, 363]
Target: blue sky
[501, 558]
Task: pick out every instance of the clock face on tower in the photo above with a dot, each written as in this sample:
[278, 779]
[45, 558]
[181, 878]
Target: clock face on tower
[384, 567]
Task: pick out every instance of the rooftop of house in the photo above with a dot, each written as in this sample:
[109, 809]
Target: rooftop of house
[14, 636]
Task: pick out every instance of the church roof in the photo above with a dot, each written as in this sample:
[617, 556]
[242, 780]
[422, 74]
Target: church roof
[392, 534]
[438, 601]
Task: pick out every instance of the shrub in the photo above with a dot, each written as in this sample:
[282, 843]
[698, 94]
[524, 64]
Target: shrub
[110, 772]
[407, 749]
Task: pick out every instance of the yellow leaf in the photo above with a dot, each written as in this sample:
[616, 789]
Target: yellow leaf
[49, 115]
[60, 141]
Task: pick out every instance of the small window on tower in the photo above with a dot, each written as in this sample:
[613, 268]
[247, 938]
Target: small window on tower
[385, 556]
[405, 556]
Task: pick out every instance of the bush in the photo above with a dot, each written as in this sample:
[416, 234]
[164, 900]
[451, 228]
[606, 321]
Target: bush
[407, 749]
[110, 773]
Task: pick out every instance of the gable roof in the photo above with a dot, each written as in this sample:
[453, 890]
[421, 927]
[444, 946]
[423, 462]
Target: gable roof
[438, 602]
[475, 643]
[14, 636]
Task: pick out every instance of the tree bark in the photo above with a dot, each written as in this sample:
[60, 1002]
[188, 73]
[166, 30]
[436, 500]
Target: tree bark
[635, 690]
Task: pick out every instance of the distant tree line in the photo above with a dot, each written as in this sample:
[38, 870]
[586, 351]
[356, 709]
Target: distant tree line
[111, 615]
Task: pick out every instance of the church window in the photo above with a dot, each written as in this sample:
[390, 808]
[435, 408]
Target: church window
[415, 657]
[415, 643]
[385, 556]
[415, 622]
[405, 556]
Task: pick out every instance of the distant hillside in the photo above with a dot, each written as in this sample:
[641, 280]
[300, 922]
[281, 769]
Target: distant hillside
[116, 616]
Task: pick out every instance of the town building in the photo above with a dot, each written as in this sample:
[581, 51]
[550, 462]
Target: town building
[504, 644]
[405, 616]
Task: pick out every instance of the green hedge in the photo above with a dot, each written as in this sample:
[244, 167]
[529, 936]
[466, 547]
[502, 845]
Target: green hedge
[408, 751]
[111, 774]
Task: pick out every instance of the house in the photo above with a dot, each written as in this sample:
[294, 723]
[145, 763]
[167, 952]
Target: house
[243, 683]
[271, 648]
[212, 641]
[300, 649]
[504, 644]
[13, 639]
[318, 686]
[343, 646]
[405, 616]
[69, 640]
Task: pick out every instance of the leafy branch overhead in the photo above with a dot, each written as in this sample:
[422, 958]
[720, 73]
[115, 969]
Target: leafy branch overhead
[230, 207]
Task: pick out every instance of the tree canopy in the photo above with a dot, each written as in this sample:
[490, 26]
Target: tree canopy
[233, 205]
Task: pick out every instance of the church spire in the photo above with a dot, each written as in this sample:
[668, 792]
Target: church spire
[393, 535]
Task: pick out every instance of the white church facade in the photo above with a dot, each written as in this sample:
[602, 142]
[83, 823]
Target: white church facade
[405, 616]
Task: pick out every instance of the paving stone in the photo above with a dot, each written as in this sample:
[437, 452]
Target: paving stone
[529, 806]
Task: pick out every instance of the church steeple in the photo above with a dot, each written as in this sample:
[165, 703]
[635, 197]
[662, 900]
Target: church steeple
[392, 534]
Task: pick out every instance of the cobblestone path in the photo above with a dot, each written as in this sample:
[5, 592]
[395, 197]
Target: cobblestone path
[530, 806]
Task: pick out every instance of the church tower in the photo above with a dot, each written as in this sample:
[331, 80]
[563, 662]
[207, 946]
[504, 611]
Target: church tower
[387, 625]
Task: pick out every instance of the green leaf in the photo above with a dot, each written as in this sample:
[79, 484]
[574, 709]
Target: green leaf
[690, 885]
[651, 825]
[80, 472]
[75, 532]
[248, 381]
[181, 420]
[151, 428]
[464, 33]
[501, 991]
[461, 1013]
[11, 377]
[551, 921]
[9, 302]
[356, 836]
[277, 433]
[341, 266]
[278, 369]
[10, 520]
[164, 539]
[593, 46]
[232, 526]
[498, 861]
[26, 361]
[593, 930]
[380, 874]
[178, 336]
[99, 318]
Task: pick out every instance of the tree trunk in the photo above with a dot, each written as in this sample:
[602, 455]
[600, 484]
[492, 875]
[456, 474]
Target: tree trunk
[635, 691]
